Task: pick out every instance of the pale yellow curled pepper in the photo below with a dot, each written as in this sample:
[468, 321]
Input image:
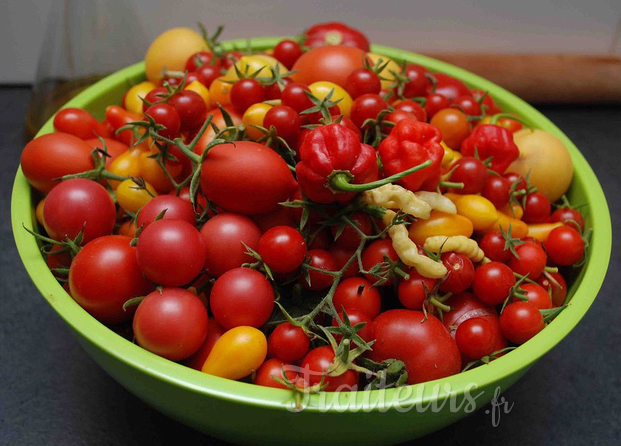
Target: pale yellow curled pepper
[408, 251]
[437, 201]
[393, 196]
[455, 243]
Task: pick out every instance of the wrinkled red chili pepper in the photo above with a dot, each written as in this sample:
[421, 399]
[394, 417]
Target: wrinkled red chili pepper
[491, 141]
[409, 144]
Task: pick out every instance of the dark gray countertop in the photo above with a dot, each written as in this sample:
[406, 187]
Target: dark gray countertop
[52, 393]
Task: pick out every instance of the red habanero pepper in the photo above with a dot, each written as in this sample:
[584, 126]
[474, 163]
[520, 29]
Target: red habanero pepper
[491, 141]
[335, 165]
[411, 143]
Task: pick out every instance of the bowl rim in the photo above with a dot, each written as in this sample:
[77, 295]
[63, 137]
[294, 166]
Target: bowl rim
[174, 374]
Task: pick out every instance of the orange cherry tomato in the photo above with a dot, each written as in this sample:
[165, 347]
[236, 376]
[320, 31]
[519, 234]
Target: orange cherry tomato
[453, 124]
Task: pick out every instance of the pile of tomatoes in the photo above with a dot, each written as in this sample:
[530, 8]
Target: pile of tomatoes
[181, 214]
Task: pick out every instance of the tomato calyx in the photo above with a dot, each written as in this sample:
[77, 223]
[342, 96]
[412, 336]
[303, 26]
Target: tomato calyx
[344, 355]
[99, 171]
[72, 246]
[321, 106]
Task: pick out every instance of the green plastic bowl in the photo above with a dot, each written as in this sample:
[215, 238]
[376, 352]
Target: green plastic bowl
[248, 414]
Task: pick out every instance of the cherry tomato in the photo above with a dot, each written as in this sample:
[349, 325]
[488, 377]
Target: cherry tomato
[493, 245]
[237, 353]
[453, 124]
[78, 204]
[467, 104]
[537, 295]
[322, 89]
[287, 52]
[288, 343]
[321, 259]
[329, 63]
[114, 148]
[412, 107]
[171, 252]
[537, 208]
[358, 294]
[564, 245]
[475, 338]
[568, 216]
[556, 285]
[448, 87]
[414, 291]
[497, 190]
[104, 275]
[356, 317]
[531, 261]
[460, 272]
[224, 237]
[367, 106]
[246, 177]
[191, 108]
[175, 209]
[375, 254]
[274, 91]
[493, 282]
[200, 59]
[80, 123]
[117, 117]
[285, 120]
[362, 81]
[207, 74]
[417, 81]
[315, 365]
[349, 237]
[246, 92]
[47, 158]
[133, 99]
[283, 249]
[273, 368]
[132, 197]
[434, 103]
[214, 331]
[165, 115]
[255, 116]
[171, 322]
[295, 97]
[242, 296]
[219, 121]
[470, 171]
[342, 256]
[520, 321]
[421, 342]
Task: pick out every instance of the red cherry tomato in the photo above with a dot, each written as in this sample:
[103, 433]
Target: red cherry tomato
[321, 259]
[537, 295]
[556, 285]
[104, 275]
[349, 237]
[414, 291]
[417, 81]
[460, 272]
[475, 338]
[493, 282]
[532, 260]
[171, 322]
[367, 106]
[283, 249]
[375, 254]
[246, 92]
[564, 245]
[520, 321]
[287, 52]
[171, 252]
[285, 120]
[497, 190]
[362, 81]
[273, 368]
[470, 171]
[80, 123]
[167, 116]
[242, 296]
[357, 293]
[191, 108]
[174, 208]
[568, 216]
[493, 245]
[537, 208]
[288, 343]
[78, 204]
[314, 366]
[356, 317]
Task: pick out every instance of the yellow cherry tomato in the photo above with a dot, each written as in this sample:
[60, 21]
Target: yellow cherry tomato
[39, 212]
[517, 211]
[152, 172]
[203, 91]
[322, 89]
[250, 64]
[237, 353]
[255, 116]
[171, 50]
[541, 231]
[133, 98]
[392, 66]
[479, 210]
[131, 197]
[440, 223]
[519, 229]
[220, 91]
[126, 165]
[450, 156]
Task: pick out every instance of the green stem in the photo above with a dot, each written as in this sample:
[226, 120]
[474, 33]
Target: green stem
[339, 181]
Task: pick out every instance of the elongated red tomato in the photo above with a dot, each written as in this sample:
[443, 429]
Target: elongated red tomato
[47, 158]
[422, 343]
[246, 177]
[104, 275]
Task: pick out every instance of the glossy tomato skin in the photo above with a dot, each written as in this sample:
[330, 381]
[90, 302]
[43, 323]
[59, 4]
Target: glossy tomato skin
[171, 322]
[287, 343]
[475, 338]
[314, 367]
[247, 178]
[283, 249]
[76, 205]
[449, 87]
[493, 282]
[171, 252]
[537, 295]
[425, 346]
[331, 63]
[80, 123]
[175, 209]
[520, 321]
[242, 297]
[564, 245]
[414, 291]
[531, 261]
[47, 158]
[460, 272]
[322, 259]
[274, 367]
[104, 275]
[359, 294]
[224, 236]
[335, 33]
[214, 332]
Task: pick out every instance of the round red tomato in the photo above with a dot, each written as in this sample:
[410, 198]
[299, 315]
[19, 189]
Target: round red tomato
[78, 204]
[414, 291]
[171, 252]
[520, 321]
[174, 208]
[283, 249]
[314, 367]
[493, 283]
[358, 293]
[328, 63]
[475, 338]
[224, 236]
[104, 275]
[171, 322]
[424, 345]
[242, 296]
[376, 253]
[47, 158]
[532, 260]
[320, 259]
[564, 245]
[274, 367]
[288, 343]
[460, 272]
